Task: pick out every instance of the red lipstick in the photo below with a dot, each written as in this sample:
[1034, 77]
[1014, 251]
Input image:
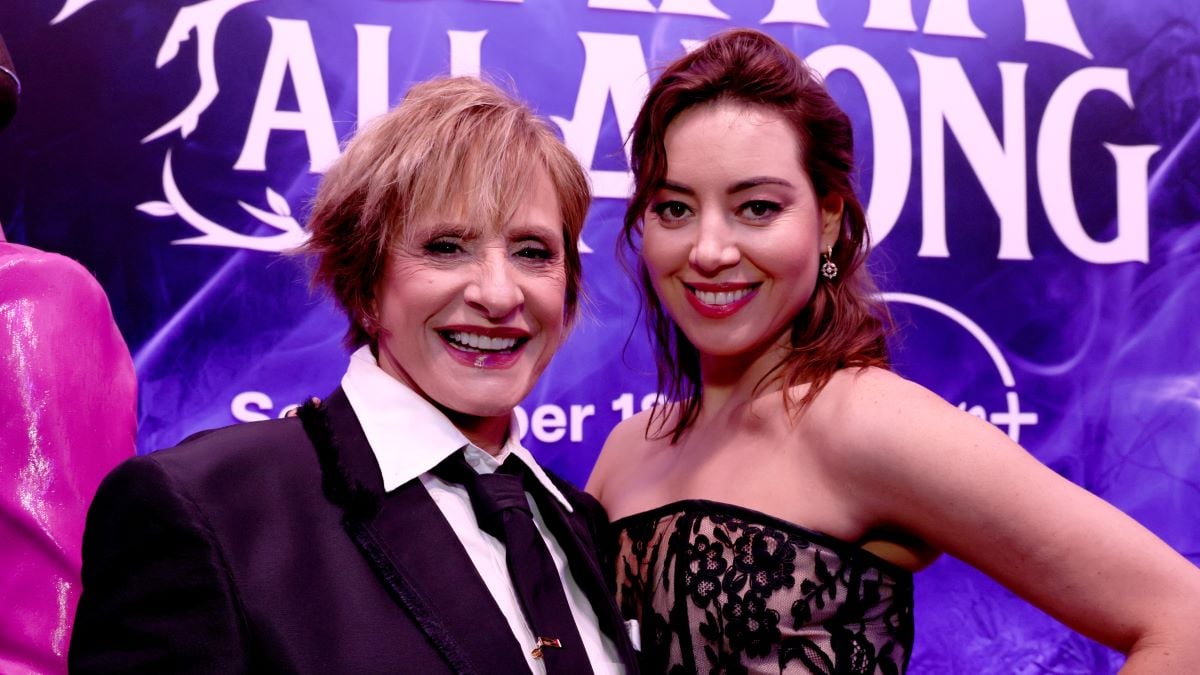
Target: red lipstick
[484, 358]
[719, 311]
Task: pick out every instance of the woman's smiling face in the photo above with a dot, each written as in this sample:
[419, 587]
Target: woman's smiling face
[733, 237]
[470, 314]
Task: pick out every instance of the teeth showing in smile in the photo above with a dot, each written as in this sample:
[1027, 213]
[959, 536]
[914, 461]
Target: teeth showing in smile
[723, 298]
[480, 343]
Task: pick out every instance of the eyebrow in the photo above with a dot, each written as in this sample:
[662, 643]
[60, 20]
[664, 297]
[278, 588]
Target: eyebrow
[757, 181]
[526, 231]
[454, 228]
[733, 189]
[437, 229]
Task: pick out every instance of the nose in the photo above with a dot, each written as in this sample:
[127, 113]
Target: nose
[715, 247]
[495, 291]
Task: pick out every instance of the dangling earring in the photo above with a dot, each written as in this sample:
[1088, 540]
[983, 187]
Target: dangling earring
[828, 269]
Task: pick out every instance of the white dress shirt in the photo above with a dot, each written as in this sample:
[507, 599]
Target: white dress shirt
[410, 436]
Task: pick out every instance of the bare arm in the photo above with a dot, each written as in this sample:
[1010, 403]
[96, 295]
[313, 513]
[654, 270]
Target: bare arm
[963, 486]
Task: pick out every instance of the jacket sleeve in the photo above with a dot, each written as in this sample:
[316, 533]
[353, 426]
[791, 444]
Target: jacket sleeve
[157, 594]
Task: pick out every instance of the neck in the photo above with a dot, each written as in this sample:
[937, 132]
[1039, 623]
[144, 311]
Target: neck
[734, 379]
[486, 433]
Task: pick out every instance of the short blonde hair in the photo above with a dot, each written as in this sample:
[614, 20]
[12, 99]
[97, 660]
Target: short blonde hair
[456, 142]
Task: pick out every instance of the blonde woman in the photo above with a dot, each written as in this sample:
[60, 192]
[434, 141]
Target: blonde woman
[366, 534]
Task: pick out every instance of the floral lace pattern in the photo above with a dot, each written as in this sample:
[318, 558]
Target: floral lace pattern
[718, 588]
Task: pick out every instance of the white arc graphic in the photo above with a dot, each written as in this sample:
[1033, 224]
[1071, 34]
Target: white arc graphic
[1013, 418]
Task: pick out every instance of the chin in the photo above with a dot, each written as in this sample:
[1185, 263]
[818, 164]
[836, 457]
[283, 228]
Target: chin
[486, 408]
[484, 401]
[724, 346]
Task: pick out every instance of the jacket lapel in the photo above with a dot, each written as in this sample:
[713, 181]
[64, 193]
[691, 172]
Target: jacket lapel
[411, 546]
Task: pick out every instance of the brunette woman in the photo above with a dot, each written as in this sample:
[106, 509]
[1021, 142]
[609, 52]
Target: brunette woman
[770, 515]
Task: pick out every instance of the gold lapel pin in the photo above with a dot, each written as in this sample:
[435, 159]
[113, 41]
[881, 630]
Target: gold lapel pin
[545, 643]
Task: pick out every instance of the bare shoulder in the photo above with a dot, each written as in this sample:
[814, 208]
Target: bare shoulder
[869, 414]
[626, 442]
[631, 432]
[886, 439]
[874, 392]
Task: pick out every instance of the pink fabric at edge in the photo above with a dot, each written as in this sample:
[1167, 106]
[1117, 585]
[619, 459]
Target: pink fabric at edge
[67, 417]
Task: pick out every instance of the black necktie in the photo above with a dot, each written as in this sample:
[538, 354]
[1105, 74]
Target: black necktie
[502, 510]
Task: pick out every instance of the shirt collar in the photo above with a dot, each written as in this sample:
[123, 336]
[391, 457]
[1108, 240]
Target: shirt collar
[410, 436]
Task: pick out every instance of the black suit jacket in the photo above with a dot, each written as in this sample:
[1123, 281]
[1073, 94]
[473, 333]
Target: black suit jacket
[272, 547]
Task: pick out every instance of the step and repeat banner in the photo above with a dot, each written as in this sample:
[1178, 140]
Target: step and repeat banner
[1032, 170]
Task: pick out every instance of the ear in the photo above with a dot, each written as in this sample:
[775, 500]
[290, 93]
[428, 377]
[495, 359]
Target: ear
[368, 319]
[831, 219]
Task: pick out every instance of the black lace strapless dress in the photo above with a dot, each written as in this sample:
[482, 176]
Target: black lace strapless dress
[718, 588]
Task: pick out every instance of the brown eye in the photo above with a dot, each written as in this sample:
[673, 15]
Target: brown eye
[760, 209]
[534, 253]
[671, 210]
[443, 247]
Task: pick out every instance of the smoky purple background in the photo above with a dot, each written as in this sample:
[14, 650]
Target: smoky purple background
[1106, 355]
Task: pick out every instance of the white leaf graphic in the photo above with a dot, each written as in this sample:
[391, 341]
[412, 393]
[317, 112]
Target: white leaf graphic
[213, 233]
[157, 209]
[70, 8]
[281, 223]
[278, 203]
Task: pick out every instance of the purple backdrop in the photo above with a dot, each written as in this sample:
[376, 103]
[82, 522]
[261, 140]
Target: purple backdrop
[1032, 171]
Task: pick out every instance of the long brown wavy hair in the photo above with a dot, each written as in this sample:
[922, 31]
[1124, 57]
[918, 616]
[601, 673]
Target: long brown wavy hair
[844, 324]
